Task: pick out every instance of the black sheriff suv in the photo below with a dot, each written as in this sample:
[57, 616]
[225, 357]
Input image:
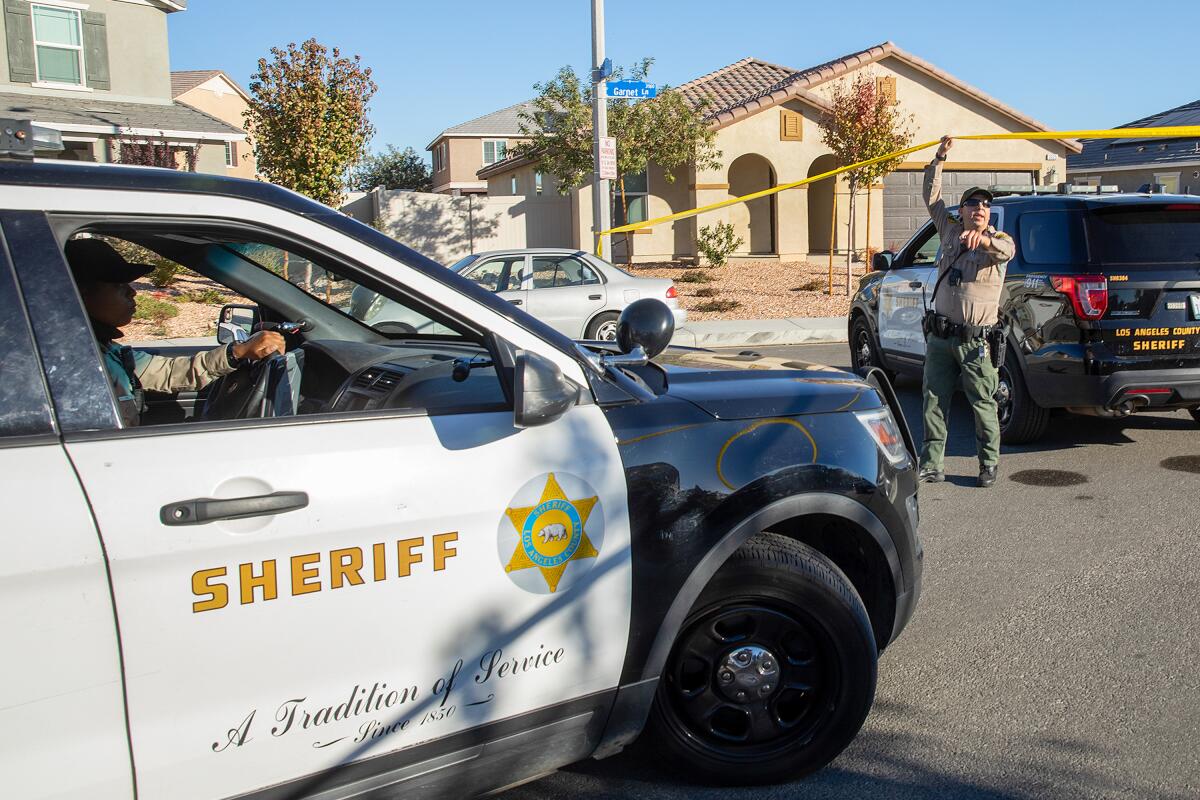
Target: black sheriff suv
[385, 564]
[1101, 304]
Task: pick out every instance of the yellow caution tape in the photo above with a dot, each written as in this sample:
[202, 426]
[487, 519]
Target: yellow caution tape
[1176, 132]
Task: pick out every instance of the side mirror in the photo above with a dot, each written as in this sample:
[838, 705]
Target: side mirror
[541, 393]
[239, 316]
[882, 261]
[646, 323]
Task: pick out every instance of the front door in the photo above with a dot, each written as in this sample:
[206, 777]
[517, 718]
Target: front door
[503, 275]
[904, 294]
[364, 582]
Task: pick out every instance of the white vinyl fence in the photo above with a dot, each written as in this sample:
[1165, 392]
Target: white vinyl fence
[446, 228]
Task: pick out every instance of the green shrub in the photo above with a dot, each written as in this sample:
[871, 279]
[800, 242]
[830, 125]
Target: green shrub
[164, 273]
[208, 296]
[154, 309]
[695, 276]
[708, 291]
[716, 244]
[718, 305]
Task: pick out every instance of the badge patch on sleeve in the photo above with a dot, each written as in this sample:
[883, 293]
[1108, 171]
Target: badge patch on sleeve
[551, 534]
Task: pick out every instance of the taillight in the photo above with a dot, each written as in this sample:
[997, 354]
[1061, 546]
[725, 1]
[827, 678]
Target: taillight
[1088, 293]
[671, 293]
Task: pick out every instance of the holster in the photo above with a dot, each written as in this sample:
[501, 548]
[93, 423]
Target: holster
[995, 339]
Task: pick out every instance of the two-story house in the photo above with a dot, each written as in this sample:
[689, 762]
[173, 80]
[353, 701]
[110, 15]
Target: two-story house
[458, 153]
[99, 72]
[215, 93]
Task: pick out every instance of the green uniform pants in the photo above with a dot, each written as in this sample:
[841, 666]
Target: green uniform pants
[945, 360]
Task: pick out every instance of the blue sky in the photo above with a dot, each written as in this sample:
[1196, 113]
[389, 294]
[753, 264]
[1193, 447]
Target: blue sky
[1069, 64]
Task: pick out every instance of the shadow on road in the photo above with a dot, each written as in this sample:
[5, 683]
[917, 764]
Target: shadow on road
[881, 763]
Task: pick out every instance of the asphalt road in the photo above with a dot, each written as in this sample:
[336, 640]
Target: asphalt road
[1056, 648]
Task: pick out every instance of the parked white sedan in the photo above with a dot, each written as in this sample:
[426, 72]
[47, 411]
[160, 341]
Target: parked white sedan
[572, 291]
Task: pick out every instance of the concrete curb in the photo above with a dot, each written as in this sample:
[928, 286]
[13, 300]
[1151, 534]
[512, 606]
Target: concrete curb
[736, 332]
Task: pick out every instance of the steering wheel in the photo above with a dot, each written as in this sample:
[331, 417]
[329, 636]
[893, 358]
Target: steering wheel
[240, 394]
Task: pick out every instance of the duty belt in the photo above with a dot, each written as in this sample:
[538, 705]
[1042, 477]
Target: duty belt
[940, 325]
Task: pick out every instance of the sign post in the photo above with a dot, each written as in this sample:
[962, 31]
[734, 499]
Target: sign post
[601, 69]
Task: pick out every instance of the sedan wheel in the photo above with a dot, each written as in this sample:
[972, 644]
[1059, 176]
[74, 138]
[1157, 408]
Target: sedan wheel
[603, 328]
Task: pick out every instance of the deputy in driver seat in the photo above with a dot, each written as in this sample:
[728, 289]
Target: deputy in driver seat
[103, 278]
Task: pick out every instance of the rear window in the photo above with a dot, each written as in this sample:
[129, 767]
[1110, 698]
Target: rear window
[1051, 237]
[1146, 234]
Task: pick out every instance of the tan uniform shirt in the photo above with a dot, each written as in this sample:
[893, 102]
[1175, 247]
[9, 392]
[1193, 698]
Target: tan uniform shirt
[975, 300]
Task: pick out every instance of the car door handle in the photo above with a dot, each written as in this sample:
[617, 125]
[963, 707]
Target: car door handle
[595, 297]
[915, 284]
[515, 302]
[207, 509]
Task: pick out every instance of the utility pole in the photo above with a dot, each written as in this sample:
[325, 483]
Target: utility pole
[600, 209]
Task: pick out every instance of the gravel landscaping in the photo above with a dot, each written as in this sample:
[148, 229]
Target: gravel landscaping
[761, 289]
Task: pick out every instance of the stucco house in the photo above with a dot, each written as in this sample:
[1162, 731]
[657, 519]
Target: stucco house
[458, 153]
[766, 119]
[99, 71]
[217, 94]
[1130, 164]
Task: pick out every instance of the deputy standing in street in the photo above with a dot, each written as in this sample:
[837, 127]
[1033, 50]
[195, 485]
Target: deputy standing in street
[965, 299]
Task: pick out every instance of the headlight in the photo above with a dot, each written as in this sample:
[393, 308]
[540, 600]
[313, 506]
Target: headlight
[883, 429]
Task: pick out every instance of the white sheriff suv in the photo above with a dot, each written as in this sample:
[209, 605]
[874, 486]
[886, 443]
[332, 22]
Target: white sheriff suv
[394, 564]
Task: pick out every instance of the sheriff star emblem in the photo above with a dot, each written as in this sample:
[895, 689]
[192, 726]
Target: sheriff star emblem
[552, 533]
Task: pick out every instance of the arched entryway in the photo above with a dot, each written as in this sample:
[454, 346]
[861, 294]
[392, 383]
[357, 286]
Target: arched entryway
[753, 221]
[820, 205]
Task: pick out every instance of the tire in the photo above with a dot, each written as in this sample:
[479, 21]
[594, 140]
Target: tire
[1021, 419]
[864, 350]
[1195, 412]
[603, 327]
[786, 606]
[394, 327]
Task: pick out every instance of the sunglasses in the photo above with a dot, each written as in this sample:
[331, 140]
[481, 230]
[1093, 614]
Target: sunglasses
[975, 201]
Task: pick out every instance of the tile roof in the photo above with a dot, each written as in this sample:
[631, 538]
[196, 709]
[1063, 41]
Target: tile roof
[1137, 152]
[750, 85]
[505, 122]
[186, 80]
[66, 112]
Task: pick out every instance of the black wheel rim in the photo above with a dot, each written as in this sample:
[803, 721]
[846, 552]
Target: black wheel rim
[862, 349]
[750, 680]
[1004, 401]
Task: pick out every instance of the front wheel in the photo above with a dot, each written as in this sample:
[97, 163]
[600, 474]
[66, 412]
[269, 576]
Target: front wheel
[864, 351]
[773, 672]
[603, 327]
[1021, 419]
[1195, 412]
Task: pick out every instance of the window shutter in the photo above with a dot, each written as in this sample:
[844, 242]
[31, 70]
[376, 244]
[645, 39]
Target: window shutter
[233, 154]
[18, 27]
[887, 88]
[95, 50]
[791, 126]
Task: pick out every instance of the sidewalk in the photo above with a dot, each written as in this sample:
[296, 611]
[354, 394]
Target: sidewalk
[735, 332]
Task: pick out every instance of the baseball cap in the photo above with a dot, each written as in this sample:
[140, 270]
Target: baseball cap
[974, 190]
[96, 260]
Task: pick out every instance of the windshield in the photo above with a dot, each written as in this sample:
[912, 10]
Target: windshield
[458, 266]
[1146, 234]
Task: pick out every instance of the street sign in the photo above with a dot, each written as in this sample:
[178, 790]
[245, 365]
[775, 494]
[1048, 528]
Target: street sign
[630, 90]
[608, 159]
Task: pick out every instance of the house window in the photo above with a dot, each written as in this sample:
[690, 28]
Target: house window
[1168, 180]
[635, 206]
[231, 154]
[494, 150]
[537, 183]
[513, 184]
[58, 42]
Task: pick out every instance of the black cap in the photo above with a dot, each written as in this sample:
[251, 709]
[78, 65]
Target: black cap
[974, 190]
[96, 260]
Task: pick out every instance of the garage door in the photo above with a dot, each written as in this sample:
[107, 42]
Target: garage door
[904, 210]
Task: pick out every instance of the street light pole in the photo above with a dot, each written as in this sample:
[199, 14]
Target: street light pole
[600, 209]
